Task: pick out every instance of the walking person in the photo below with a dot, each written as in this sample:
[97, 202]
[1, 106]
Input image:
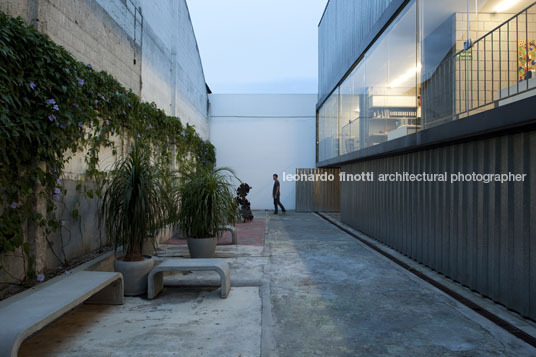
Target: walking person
[276, 194]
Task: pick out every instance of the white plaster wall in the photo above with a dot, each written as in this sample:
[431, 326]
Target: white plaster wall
[258, 135]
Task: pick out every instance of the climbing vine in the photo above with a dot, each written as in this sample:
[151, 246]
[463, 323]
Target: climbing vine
[53, 107]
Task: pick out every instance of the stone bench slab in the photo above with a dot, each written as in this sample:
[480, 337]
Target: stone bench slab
[155, 279]
[29, 313]
[234, 238]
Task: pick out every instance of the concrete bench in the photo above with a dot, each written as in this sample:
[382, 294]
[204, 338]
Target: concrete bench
[30, 311]
[233, 233]
[155, 279]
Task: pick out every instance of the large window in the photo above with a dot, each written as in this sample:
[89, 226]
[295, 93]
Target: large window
[378, 100]
[353, 110]
[328, 136]
[473, 55]
[437, 61]
[391, 80]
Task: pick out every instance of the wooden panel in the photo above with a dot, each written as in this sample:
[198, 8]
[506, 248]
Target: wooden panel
[317, 195]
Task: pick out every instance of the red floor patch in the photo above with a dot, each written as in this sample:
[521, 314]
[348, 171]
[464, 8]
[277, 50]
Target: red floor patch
[251, 233]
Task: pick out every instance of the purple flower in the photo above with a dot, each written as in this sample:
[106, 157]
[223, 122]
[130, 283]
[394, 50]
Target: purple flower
[67, 272]
[50, 101]
[58, 182]
[14, 205]
[149, 126]
[75, 105]
[41, 277]
[89, 66]
[79, 124]
[81, 82]
[183, 133]
[62, 126]
[32, 85]
[57, 190]
[51, 117]
[53, 170]
[55, 107]
[107, 122]
[55, 197]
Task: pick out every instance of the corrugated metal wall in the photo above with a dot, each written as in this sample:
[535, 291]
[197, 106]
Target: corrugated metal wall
[344, 32]
[321, 196]
[482, 235]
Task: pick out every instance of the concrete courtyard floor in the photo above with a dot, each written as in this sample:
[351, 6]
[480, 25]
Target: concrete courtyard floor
[311, 290]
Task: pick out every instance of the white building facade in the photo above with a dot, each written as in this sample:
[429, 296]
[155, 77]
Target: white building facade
[258, 135]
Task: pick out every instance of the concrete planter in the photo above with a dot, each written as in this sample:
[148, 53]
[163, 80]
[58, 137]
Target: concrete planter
[202, 247]
[134, 274]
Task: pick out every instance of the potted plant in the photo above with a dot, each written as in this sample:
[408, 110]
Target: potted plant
[132, 210]
[207, 203]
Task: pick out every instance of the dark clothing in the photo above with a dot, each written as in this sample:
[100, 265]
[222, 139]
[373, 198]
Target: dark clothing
[275, 189]
[275, 194]
[277, 203]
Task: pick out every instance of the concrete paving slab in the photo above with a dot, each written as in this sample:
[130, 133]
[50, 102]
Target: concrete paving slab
[180, 322]
[501, 311]
[312, 290]
[333, 296]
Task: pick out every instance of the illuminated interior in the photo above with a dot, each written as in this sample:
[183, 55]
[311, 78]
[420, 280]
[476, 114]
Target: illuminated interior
[437, 61]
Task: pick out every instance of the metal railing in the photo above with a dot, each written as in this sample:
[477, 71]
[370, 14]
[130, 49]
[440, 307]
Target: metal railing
[494, 67]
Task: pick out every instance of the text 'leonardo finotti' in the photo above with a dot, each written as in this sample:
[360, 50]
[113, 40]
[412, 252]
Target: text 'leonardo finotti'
[407, 177]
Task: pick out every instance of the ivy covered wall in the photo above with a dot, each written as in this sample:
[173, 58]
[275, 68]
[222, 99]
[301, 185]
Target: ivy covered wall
[57, 113]
[148, 46]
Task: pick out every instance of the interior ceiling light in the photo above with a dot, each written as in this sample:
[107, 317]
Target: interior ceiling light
[409, 73]
[505, 5]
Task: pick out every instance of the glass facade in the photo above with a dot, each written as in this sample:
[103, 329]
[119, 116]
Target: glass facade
[327, 128]
[436, 61]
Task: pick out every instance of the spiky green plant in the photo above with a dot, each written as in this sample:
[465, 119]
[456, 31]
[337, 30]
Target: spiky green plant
[207, 202]
[133, 207]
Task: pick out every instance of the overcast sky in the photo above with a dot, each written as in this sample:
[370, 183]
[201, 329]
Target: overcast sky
[258, 46]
